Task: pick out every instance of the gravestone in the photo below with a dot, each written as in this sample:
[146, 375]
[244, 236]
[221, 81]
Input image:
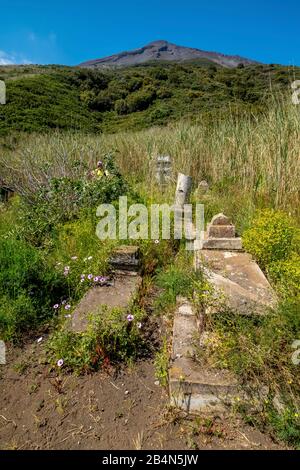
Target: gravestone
[163, 169]
[183, 190]
[203, 187]
[220, 235]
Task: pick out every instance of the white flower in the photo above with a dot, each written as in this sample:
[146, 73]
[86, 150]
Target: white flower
[60, 363]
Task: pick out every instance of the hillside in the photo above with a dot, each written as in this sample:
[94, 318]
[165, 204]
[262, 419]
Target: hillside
[40, 98]
[161, 51]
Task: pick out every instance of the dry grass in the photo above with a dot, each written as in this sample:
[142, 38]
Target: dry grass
[256, 159]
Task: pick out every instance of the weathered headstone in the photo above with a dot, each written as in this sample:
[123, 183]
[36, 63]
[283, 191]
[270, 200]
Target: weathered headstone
[203, 187]
[163, 169]
[220, 235]
[183, 190]
[125, 258]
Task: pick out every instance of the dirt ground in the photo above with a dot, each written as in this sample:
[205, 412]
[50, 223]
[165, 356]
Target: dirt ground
[116, 410]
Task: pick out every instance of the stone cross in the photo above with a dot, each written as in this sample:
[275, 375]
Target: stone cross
[163, 169]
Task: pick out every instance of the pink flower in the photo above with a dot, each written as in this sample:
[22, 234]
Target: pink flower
[90, 276]
[67, 307]
[96, 279]
[130, 317]
[82, 276]
[60, 363]
[56, 306]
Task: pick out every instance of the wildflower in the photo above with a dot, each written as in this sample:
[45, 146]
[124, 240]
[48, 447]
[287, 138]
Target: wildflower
[130, 317]
[102, 279]
[60, 363]
[67, 307]
[96, 279]
[82, 280]
[156, 242]
[139, 325]
[82, 276]
[67, 268]
[74, 258]
[56, 306]
[40, 340]
[68, 316]
[89, 258]
[90, 276]
[64, 302]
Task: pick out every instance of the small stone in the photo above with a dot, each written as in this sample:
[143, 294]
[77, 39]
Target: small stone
[278, 404]
[203, 187]
[126, 392]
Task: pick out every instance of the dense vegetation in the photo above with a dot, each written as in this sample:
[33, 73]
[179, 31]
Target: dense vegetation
[242, 135]
[41, 98]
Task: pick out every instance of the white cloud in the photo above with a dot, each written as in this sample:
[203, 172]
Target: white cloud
[12, 59]
[5, 59]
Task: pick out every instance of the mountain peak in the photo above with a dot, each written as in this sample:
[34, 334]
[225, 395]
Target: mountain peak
[164, 51]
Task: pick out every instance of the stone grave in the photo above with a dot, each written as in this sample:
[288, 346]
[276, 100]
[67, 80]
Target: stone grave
[243, 288]
[119, 292]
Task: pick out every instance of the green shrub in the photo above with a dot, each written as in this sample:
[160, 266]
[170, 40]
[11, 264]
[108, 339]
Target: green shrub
[121, 107]
[65, 198]
[109, 338]
[28, 287]
[140, 100]
[286, 275]
[270, 238]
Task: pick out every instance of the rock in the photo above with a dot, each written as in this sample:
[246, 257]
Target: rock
[278, 403]
[203, 187]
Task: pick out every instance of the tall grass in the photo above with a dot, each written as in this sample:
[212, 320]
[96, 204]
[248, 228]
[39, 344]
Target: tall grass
[252, 158]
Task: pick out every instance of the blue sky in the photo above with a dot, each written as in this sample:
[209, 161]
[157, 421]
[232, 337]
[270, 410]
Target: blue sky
[72, 31]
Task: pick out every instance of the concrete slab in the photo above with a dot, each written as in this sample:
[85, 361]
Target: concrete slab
[239, 278]
[119, 294]
[192, 387]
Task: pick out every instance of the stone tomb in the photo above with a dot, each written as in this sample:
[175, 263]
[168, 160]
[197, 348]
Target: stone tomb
[221, 235]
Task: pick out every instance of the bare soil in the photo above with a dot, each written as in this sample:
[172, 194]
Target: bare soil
[124, 409]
